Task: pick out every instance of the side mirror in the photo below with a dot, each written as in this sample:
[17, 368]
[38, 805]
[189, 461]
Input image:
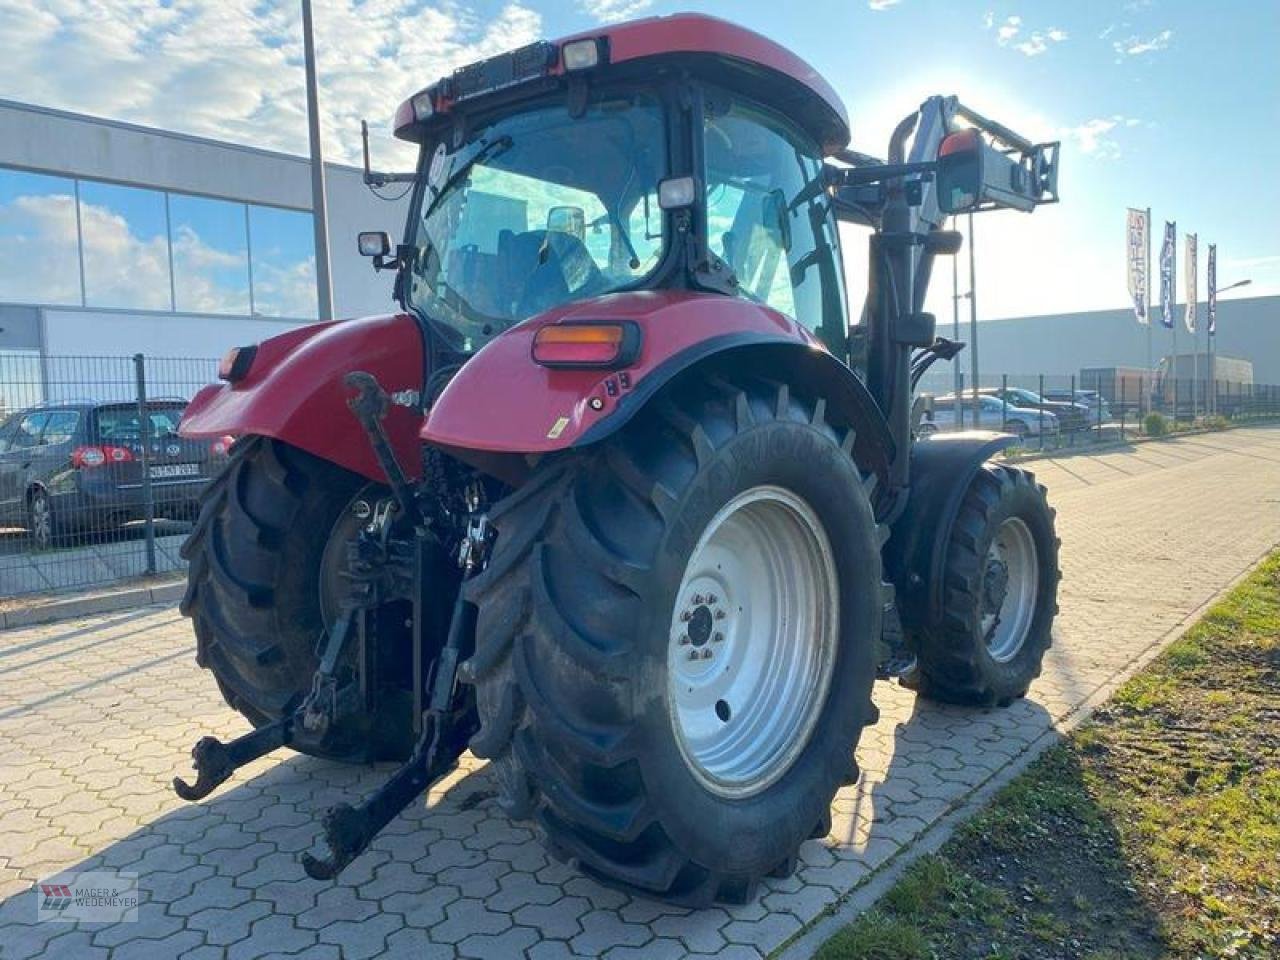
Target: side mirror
[570, 220]
[373, 243]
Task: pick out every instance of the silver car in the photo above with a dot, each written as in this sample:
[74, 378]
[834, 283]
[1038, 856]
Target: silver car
[995, 414]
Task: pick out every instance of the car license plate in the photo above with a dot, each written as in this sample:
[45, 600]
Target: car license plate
[166, 470]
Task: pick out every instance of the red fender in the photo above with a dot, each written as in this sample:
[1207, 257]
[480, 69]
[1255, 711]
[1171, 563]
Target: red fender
[294, 392]
[503, 402]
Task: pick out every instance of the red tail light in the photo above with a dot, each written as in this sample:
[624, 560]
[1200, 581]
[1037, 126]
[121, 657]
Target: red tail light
[587, 345]
[90, 457]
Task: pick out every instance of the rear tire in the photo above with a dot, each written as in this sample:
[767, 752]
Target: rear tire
[1000, 585]
[579, 643]
[255, 556]
[42, 521]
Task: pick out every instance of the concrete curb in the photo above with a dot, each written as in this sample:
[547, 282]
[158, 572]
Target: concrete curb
[863, 897]
[84, 606]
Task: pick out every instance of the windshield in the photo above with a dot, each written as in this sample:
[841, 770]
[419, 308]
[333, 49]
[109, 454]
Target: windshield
[536, 210]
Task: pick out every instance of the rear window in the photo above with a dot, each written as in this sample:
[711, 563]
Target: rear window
[122, 423]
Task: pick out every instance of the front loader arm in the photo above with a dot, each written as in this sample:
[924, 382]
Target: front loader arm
[949, 168]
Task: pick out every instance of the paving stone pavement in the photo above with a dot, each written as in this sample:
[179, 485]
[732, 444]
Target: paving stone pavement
[97, 715]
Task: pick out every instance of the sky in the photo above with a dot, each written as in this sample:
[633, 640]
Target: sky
[1171, 104]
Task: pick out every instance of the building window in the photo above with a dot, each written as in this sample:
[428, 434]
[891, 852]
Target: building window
[39, 247]
[126, 247]
[210, 255]
[282, 243]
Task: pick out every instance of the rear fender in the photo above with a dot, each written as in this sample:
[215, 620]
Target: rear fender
[503, 409]
[294, 392]
[942, 468]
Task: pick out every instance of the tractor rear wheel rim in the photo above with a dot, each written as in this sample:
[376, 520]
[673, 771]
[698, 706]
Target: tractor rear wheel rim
[1007, 619]
[753, 641]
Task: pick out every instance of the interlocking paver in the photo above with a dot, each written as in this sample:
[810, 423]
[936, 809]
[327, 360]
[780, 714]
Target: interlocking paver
[97, 714]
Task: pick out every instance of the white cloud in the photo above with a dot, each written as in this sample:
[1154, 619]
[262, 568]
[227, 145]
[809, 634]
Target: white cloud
[1093, 136]
[1136, 46]
[882, 4]
[988, 20]
[1033, 44]
[1008, 30]
[232, 70]
[611, 11]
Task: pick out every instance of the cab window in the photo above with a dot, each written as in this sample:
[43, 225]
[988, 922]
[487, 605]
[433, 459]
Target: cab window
[768, 219]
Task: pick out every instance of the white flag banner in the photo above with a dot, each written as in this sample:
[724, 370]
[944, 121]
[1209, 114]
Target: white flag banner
[1191, 282]
[1168, 258]
[1212, 281]
[1137, 245]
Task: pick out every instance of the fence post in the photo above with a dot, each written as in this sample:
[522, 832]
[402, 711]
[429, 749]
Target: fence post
[1124, 381]
[959, 404]
[1098, 437]
[1073, 400]
[1040, 413]
[1004, 401]
[144, 427]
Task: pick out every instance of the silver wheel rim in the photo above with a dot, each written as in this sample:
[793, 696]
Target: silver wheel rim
[41, 522]
[753, 641]
[1010, 584]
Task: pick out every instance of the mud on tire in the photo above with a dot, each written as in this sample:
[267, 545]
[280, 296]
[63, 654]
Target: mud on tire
[253, 587]
[575, 611]
[957, 663]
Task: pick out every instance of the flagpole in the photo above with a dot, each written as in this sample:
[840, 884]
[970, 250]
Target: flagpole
[1173, 292]
[1195, 332]
[1150, 319]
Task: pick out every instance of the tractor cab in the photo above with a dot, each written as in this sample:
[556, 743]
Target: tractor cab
[621, 161]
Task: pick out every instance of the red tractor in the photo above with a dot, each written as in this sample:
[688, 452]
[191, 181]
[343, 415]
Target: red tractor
[621, 499]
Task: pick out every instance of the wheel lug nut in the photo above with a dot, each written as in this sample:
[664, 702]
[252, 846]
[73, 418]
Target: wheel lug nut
[684, 640]
[697, 598]
[720, 614]
[706, 654]
[685, 616]
[693, 655]
[717, 638]
[711, 598]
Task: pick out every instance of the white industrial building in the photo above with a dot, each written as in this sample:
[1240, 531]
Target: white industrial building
[118, 239]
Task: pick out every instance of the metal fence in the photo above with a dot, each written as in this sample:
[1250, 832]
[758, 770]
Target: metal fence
[1051, 412]
[96, 485]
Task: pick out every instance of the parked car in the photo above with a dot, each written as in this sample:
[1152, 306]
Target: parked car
[69, 468]
[1071, 416]
[1090, 399]
[995, 415]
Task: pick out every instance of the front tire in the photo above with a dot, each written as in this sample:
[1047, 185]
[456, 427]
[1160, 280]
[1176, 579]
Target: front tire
[1000, 588]
[604, 583]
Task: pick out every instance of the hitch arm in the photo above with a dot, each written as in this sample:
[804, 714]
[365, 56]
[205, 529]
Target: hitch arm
[215, 761]
[370, 405]
[348, 830]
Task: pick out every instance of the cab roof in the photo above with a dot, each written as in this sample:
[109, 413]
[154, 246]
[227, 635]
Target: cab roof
[716, 49]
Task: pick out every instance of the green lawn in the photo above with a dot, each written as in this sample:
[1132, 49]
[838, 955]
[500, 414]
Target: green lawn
[1153, 831]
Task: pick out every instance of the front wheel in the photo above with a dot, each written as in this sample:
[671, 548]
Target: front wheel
[1000, 588]
[676, 642]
